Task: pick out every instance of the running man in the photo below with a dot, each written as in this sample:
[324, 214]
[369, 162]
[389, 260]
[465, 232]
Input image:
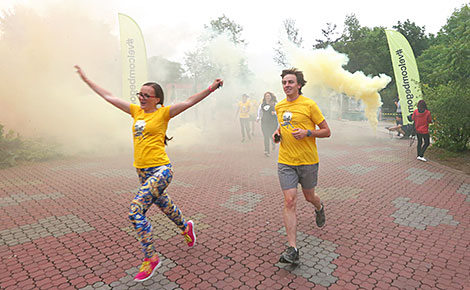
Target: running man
[298, 160]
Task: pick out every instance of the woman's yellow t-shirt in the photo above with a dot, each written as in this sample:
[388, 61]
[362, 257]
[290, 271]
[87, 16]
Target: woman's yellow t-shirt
[244, 109]
[149, 131]
[302, 113]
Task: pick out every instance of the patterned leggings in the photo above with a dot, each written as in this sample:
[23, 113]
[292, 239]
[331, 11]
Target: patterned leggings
[154, 181]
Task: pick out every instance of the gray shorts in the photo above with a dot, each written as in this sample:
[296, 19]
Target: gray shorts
[290, 176]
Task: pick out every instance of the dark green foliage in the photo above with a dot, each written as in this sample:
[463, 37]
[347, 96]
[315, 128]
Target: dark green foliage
[224, 24]
[14, 149]
[9, 143]
[415, 35]
[164, 71]
[445, 69]
[450, 108]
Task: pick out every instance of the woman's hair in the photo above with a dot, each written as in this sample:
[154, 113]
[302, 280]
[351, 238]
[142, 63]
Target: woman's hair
[158, 91]
[273, 97]
[422, 105]
[159, 94]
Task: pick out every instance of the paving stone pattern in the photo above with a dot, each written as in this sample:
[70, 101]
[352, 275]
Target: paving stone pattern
[51, 226]
[420, 216]
[392, 222]
[420, 176]
[465, 189]
[245, 202]
[358, 169]
[15, 199]
[316, 256]
[338, 193]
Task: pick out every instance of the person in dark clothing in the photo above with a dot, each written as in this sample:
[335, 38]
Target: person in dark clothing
[422, 119]
[399, 117]
[267, 115]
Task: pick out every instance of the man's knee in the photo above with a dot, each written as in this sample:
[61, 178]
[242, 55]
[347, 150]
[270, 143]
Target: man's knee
[290, 200]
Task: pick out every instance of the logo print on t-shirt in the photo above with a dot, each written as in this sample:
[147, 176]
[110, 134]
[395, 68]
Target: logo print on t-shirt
[245, 107]
[139, 128]
[287, 118]
[266, 107]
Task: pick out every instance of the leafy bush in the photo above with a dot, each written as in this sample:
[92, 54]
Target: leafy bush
[14, 149]
[450, 109]
[8, 146]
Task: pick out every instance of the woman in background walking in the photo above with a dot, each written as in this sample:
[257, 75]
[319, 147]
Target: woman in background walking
[422, 119]
[267, 115]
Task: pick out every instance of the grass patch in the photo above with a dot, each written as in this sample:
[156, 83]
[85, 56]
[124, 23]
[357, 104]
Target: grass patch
[456, 160]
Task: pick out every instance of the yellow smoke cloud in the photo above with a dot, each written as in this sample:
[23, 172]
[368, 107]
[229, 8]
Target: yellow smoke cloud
[323, 68]
[42, 96]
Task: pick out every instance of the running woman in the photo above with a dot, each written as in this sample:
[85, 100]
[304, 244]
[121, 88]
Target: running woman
[152, 163]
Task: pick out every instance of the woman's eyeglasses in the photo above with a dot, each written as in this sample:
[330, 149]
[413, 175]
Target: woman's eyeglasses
[145, 96]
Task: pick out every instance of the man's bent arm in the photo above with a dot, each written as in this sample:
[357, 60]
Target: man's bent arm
[323, 132]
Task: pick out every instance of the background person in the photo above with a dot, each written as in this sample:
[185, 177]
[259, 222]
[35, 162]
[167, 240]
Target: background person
[422, 118]
[399, 117]
[399, 127]
[267, 115]
[152, 163]
[243, 111]
[253, 113]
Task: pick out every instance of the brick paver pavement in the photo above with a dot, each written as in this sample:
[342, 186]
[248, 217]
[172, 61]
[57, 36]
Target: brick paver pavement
[392, 222]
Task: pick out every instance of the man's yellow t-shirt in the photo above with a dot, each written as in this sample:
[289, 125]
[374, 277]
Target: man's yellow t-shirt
[303, 113]
[149, 131]
[244, 109]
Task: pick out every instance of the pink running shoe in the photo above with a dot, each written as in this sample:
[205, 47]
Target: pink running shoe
[147, 269]
[189, 234]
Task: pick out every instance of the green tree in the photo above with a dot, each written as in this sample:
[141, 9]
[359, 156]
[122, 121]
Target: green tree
[368, 52]
[293, 36]
[331, 37]
[353, 45]
[164, 71]
[450, 108]
[416, 36]
[448, 58]
[445, 69]
[456, 34]
[223, 24]
[198, 63]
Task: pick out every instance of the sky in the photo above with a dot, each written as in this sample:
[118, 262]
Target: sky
[178, 24]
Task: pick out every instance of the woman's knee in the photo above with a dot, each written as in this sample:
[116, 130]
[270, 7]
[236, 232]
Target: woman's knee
[136, 211]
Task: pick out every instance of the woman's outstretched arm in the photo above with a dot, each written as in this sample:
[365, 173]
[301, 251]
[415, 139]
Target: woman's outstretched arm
[194, 99]
[108, 96]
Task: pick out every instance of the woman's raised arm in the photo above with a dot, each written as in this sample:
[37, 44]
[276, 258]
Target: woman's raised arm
[108, 96]
[194, 99]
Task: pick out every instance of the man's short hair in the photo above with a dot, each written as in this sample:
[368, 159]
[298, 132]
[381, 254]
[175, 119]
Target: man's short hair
[298, 74]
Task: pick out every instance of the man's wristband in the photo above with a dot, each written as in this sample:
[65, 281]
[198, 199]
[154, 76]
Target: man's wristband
[309, 133]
